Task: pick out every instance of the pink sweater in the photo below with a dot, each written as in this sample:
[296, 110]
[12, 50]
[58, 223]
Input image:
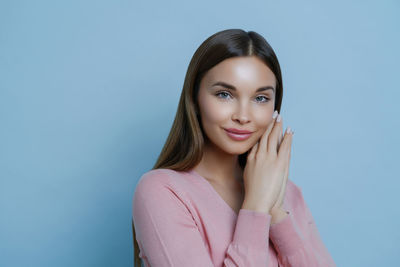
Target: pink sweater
[181, 221]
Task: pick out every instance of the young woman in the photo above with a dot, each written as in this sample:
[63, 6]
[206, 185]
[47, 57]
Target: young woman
[219, 193]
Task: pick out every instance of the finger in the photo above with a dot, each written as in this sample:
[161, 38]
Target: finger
[283, 188]
[252, 153]
[272, 145]
[286, 176]
[279, 199]
[264, 138]
[279, 139]
[286, 145]
[285, 182]
[282, 191]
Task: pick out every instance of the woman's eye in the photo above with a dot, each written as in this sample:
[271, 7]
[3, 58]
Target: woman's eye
[225, 95]
[266, 98]
[222, 93]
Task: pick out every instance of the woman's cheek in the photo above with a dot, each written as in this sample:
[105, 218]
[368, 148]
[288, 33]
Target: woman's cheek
[264, 119]
[220, 112]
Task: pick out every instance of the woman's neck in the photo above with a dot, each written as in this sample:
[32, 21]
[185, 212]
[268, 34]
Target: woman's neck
[220, 167]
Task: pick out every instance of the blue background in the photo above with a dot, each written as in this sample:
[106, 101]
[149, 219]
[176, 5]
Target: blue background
[89, 90]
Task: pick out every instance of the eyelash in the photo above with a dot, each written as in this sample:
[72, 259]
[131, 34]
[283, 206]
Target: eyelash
[221, 92]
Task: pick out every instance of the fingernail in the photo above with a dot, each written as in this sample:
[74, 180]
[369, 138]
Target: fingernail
[275, 114]
[288, 130]
[279, 118]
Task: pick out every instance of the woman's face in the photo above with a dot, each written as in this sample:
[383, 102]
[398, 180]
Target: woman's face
[237, 93]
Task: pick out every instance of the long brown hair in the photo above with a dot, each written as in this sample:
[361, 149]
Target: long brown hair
[183, 148]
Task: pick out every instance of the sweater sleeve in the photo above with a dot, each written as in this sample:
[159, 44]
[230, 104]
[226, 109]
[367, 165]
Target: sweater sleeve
[297, 240]
[168, 235]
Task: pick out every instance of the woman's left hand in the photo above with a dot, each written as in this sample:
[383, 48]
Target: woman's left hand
[277, 211]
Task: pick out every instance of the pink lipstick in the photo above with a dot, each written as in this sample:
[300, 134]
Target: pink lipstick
[238, 135]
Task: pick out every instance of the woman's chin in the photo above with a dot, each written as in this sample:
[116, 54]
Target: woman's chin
[239, 150]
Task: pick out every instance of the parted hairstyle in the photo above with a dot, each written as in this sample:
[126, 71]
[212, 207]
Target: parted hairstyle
[183, 148]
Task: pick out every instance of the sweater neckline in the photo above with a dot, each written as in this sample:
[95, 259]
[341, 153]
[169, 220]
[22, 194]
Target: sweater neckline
[214, 192]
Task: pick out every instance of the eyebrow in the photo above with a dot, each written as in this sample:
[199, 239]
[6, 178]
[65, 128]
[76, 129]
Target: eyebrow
[229, 86]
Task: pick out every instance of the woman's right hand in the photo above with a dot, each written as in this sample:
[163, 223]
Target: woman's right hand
[265, 169]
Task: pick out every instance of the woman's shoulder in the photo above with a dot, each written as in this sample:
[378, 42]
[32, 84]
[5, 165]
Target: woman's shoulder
[161, 175]
[155, 179]
[160, 190]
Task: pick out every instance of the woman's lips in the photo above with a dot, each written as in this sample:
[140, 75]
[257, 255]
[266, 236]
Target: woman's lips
[237, 136]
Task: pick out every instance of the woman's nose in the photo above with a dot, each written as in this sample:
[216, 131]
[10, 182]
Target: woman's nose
[241, 114]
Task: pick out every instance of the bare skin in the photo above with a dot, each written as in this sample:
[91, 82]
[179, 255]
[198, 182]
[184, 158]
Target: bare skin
[266, 172]
[244, 108]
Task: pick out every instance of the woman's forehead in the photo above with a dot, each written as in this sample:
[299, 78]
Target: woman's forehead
[241, 71]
